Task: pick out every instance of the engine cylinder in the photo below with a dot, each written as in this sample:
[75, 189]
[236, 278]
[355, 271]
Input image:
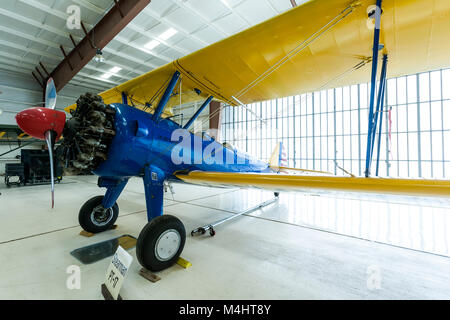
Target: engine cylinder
[87, 135]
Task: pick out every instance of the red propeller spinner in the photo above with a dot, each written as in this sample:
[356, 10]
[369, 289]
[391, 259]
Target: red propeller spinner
[45, 124]
[37, 121]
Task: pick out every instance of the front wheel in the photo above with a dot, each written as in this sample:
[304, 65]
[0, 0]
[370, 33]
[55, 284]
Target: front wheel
[160, 243]
[94, 218]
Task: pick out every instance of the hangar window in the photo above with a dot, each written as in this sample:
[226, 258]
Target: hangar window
[321, 128]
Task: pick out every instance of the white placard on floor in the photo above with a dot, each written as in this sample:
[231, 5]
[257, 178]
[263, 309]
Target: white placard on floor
[117, 270]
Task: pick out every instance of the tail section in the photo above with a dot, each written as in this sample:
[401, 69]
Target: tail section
[279, 156]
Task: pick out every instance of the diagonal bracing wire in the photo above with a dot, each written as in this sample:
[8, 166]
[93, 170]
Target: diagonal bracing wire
[299, 48]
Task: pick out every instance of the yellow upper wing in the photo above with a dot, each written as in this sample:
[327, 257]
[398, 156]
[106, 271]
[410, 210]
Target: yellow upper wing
[328, 43]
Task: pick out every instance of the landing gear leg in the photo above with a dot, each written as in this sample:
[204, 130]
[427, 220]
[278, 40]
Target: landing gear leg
[161, 241]
[100, 213]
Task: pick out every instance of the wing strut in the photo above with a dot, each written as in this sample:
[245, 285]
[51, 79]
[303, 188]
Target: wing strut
[380, 111]
[124, 98]
[195, 116]
[165, 98]
[376, 49]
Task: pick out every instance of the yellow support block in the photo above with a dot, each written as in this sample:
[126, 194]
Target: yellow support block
[184, 263]
[2, 134]
[24, 136]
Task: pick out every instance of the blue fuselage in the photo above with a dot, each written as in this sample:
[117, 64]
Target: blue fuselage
[141, 141]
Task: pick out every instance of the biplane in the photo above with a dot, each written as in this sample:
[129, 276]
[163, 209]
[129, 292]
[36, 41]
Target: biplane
[130, 131]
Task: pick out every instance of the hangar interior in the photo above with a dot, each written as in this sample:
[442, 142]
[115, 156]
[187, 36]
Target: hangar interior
[308, 245]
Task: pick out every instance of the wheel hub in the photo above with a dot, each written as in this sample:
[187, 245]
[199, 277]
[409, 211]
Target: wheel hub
[101, 216]
[167, 245]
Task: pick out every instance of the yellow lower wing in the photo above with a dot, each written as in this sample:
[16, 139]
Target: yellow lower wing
[288, 182]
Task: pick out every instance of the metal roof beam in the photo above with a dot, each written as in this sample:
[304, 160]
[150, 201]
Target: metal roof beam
[108, 27]
[63, 15]
[19, 69]
[134, 27]
[22, 61]
[43, 54]
[63, 34]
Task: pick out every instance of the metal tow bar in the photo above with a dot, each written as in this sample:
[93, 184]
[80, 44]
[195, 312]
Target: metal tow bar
[210, 227]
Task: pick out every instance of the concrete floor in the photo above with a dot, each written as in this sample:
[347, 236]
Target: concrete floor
[308, 246]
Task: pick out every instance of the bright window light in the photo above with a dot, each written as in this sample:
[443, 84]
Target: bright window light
[115, 69]
[110, 73]
[169, 33]
[106, 75]
[226, 4]
[152, 44]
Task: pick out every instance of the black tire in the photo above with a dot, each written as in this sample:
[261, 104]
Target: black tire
[96, 222]
[147, 241]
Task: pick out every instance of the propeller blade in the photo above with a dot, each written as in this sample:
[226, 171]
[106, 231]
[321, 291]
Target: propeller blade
[50, 94]
[50, 138]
